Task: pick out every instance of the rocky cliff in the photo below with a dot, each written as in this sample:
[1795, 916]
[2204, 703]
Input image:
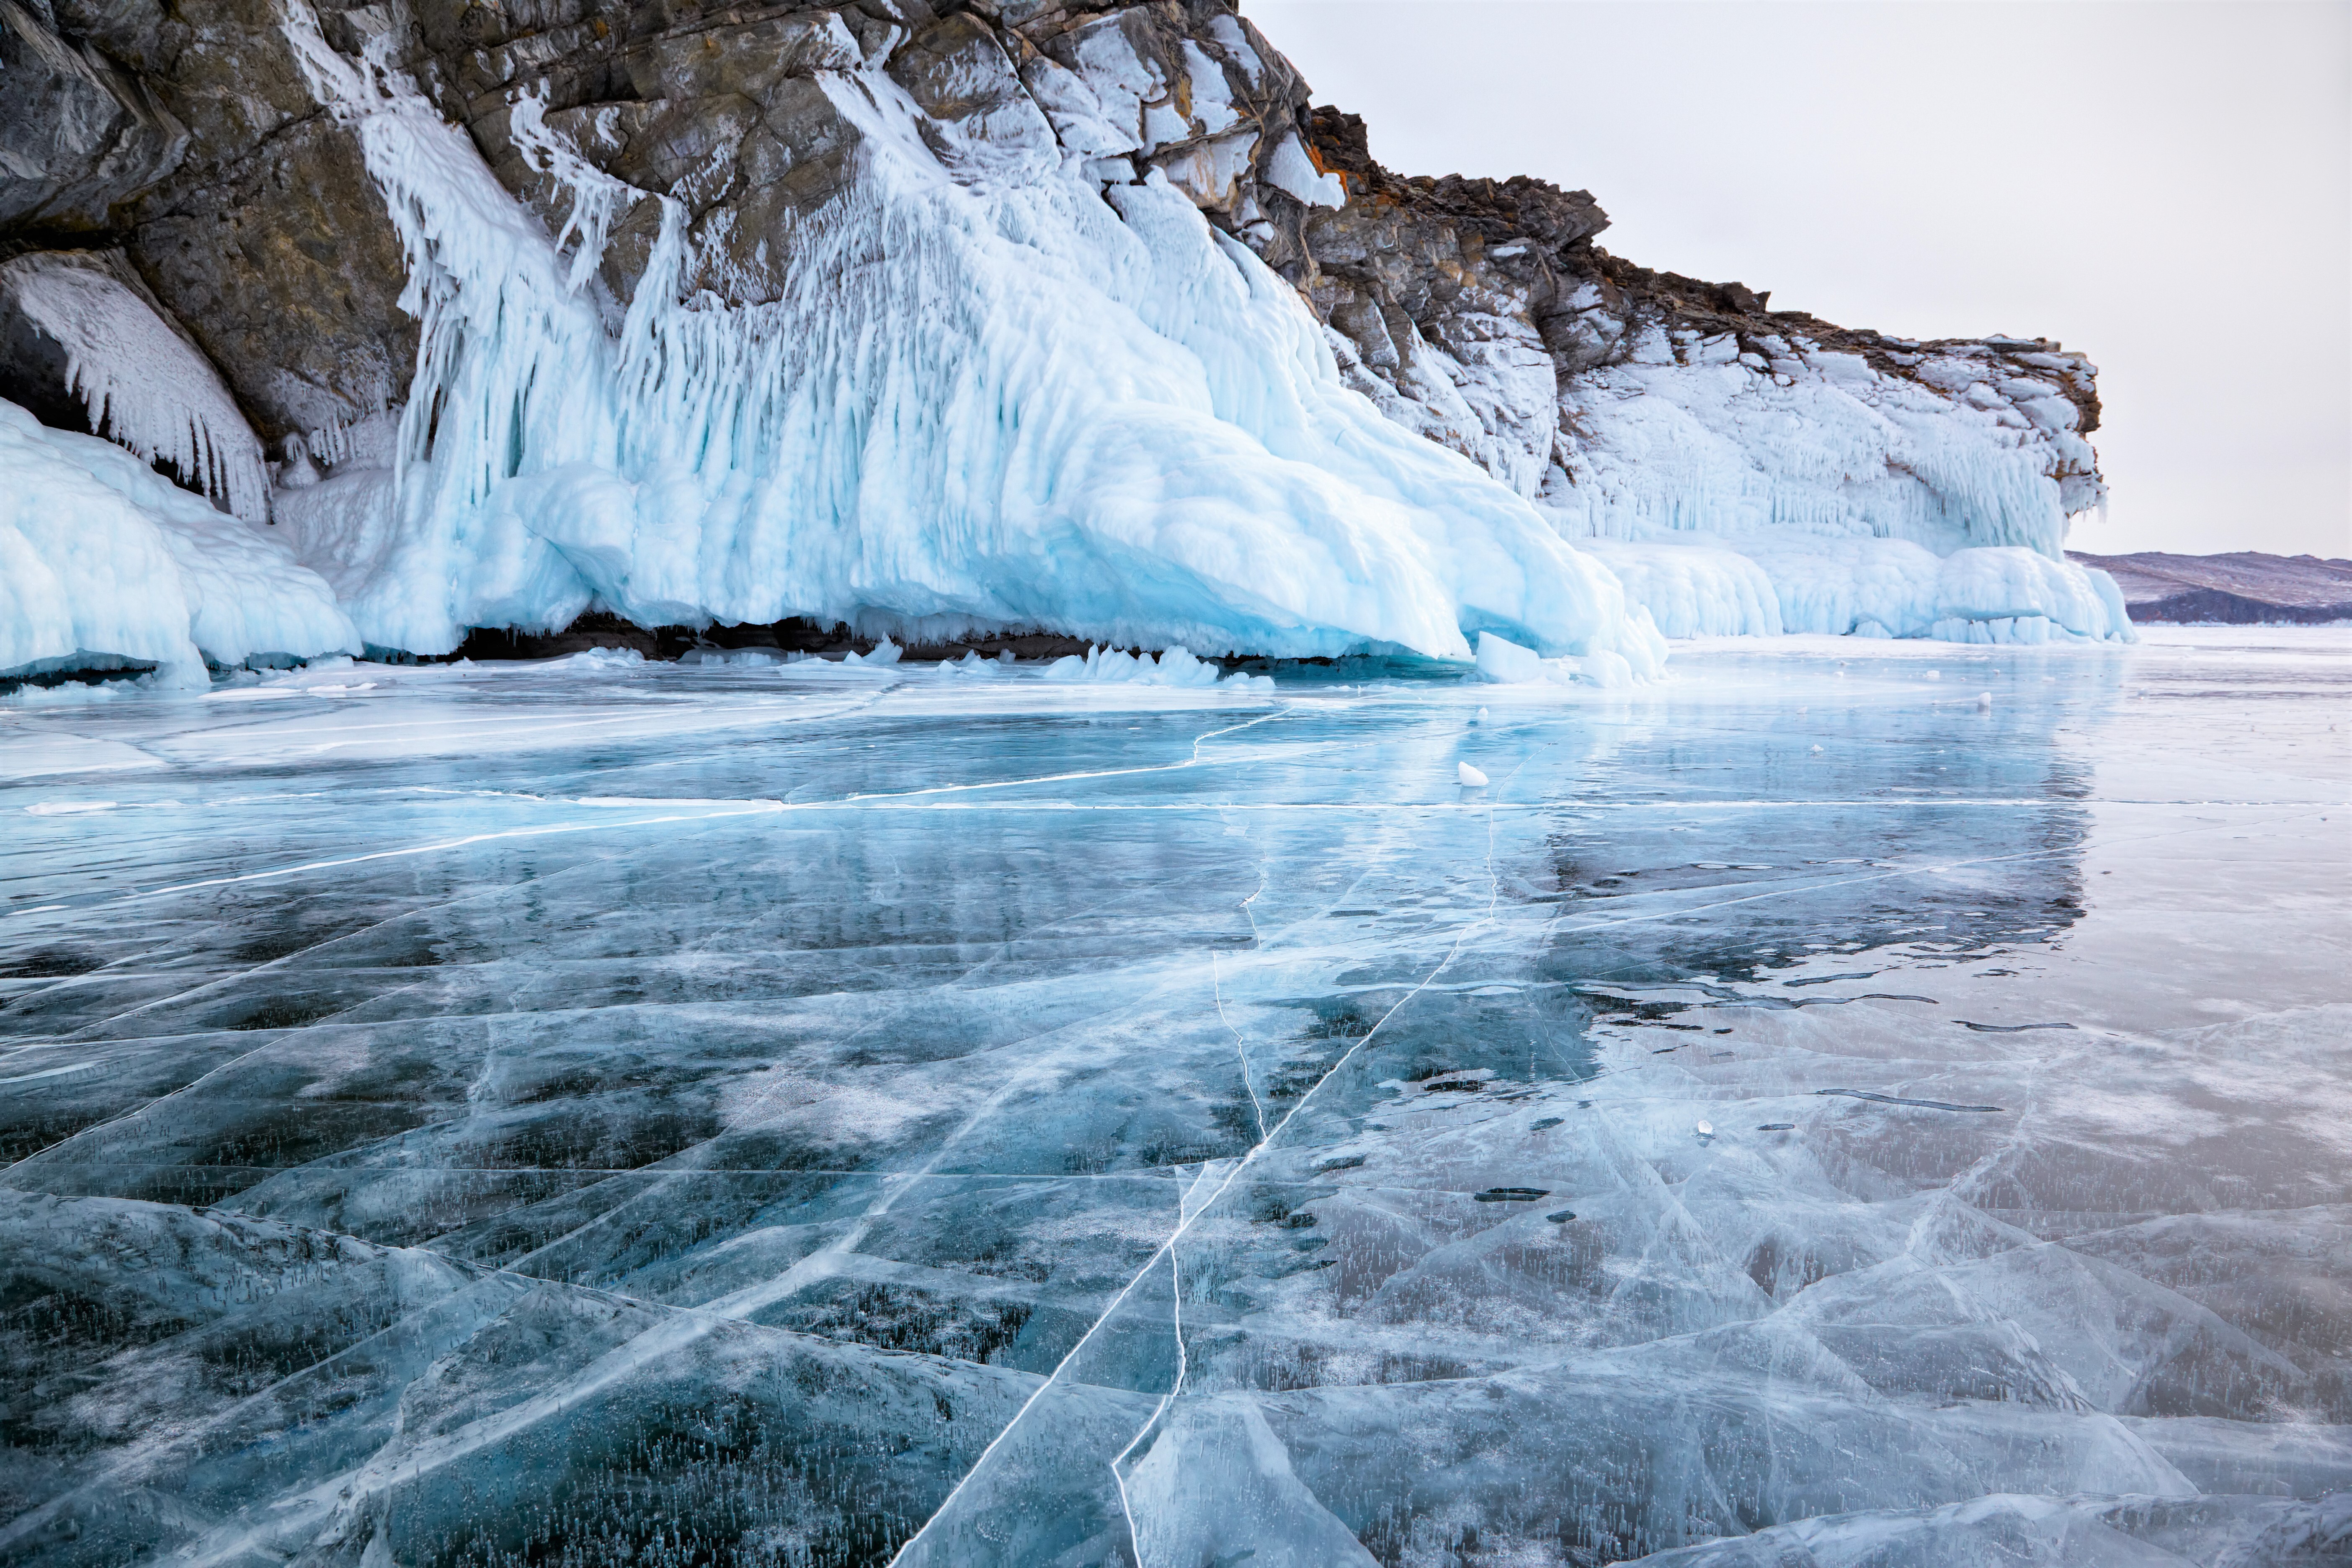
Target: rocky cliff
[945, 315]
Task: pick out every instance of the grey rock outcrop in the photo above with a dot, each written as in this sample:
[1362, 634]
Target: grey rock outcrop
[1474, 308]
[188, 138]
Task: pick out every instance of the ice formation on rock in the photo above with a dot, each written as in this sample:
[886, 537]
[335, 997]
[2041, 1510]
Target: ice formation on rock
[1812, 492]
[992, 400]
[1745, 471]
[1075, 321]
[103, 563]
[143, 384]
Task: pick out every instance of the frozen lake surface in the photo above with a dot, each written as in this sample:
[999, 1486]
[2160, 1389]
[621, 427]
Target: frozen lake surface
[1796, 1113]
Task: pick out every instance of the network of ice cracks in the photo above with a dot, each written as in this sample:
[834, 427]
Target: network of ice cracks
[846, 1112]
[1026, 400]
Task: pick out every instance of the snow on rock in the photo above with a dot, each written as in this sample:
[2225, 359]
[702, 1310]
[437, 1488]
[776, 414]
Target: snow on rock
[1734, 455]
[980, 397]
[104, 563]
[1683, 435]
[1291, 170]
[143, 384]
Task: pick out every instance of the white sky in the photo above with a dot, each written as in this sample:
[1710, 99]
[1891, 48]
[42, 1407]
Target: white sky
[2167, 187]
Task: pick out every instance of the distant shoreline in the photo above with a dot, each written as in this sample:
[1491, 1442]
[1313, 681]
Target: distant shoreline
[2243, 588]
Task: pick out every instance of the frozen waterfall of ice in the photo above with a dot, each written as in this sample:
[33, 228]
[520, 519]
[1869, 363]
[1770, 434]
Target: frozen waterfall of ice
[997, 403]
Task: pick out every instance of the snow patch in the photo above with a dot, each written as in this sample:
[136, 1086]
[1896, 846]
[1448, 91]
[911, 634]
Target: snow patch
[1288, 168]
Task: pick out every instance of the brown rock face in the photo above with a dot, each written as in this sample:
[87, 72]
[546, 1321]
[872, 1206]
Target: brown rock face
[189, 138]
[282, 272]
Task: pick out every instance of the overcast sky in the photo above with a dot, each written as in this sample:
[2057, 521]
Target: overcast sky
[2167, 187]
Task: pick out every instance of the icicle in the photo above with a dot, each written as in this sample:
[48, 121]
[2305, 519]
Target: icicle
[946, 386]
[145, 385]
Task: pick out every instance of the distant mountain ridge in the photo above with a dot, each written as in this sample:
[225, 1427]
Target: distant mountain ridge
[2242, 587]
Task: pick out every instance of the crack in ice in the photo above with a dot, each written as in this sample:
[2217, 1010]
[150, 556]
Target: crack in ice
[1187, 1214]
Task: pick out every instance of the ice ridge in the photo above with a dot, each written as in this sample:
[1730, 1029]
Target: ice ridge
[104, 563]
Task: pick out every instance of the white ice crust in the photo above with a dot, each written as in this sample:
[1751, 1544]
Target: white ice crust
[104, 562]
[1770, 584]
[994, 394]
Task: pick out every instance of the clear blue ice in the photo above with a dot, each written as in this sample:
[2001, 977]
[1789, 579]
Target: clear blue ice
[1841, 1103]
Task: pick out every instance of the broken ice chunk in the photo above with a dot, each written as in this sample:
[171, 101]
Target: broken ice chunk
[1471, 777]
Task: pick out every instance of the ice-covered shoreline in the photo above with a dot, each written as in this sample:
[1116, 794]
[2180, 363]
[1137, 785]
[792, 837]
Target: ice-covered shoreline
[1079, 332]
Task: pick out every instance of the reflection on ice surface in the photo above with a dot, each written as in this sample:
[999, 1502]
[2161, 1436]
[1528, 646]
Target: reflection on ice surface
[592, 1113]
